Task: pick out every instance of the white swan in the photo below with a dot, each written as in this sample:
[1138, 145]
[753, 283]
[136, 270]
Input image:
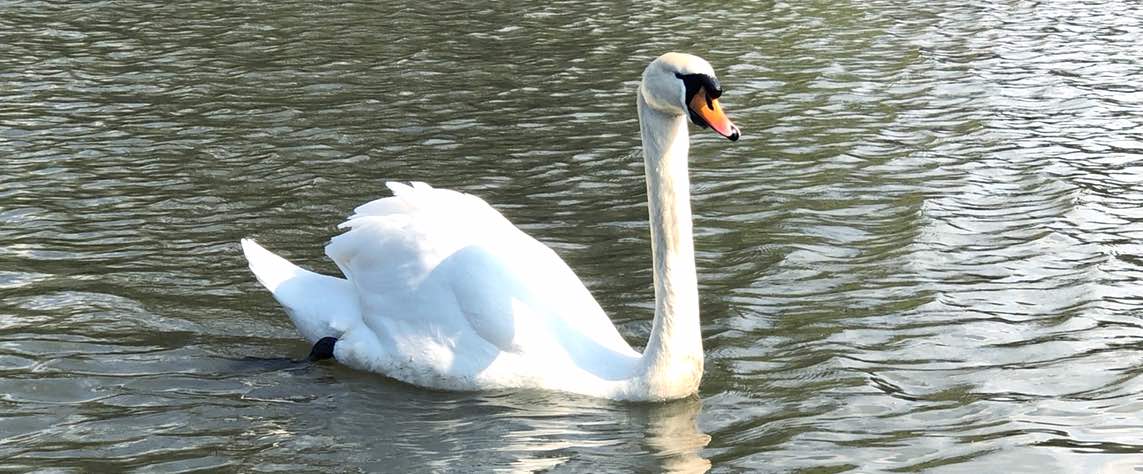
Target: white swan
[442, 291]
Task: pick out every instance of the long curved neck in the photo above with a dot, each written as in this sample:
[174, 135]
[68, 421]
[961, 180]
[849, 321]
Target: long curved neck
[673, 358]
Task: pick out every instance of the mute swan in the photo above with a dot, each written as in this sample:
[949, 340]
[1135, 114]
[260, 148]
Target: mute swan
[441, 291]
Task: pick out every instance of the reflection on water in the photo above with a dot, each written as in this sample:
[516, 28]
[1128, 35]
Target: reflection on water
[923, 255]
[673, 436]
[527, 431]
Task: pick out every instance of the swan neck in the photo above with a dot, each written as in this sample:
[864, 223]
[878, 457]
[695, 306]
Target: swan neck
[673, 359]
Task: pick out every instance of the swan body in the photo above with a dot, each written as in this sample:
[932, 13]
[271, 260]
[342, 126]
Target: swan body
[442, 291]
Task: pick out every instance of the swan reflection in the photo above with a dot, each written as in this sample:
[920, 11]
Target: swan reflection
[542, 432]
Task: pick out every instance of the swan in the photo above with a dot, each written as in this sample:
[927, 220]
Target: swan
[443, 292]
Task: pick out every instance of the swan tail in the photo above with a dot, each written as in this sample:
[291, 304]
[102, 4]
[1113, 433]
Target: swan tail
[319, 305]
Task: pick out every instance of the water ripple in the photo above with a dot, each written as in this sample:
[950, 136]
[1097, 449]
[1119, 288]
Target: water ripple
[923, 255]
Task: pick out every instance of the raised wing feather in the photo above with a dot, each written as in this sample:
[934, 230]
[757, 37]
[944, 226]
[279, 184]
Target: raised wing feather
[439, 265]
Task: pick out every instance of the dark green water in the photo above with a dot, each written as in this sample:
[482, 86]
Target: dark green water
[924, 255]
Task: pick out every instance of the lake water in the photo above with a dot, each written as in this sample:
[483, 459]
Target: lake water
[926, 253]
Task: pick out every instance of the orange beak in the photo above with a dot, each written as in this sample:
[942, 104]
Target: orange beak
[711, 112]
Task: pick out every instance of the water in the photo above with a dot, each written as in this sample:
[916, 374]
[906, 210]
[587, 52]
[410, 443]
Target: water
[924, 255]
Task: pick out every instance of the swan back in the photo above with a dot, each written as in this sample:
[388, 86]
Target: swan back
[449, 289]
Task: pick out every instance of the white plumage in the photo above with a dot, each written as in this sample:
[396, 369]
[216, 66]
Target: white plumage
[441, 291]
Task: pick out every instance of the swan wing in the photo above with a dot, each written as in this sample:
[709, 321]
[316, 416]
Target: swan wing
[441, 275]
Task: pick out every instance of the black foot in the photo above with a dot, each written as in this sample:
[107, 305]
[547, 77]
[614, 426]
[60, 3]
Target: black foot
[323, 349]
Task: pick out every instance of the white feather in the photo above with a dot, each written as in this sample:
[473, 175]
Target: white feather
[441, 291]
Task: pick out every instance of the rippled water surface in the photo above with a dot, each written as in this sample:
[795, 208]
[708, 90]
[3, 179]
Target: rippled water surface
[924, 255]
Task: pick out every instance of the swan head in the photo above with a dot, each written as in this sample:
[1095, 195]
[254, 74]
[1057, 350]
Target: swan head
[684, 84]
